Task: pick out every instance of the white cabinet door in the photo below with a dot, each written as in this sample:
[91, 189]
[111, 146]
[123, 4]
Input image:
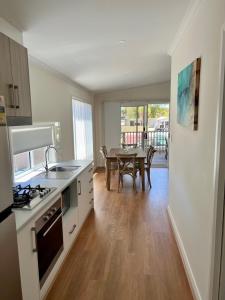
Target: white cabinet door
[21, 80]
[70, 227]
[82, 199]
[6, 79]
[85, 193]
[90, 189]
[28, 263]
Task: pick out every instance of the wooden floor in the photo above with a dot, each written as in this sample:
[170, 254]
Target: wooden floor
[126, 249]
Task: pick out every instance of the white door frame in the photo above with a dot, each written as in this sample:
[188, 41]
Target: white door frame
[219, 185]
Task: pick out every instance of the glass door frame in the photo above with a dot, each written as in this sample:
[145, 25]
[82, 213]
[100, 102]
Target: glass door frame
[144, 121]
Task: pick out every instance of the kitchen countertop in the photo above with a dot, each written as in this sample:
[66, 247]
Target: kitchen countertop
[24, 216]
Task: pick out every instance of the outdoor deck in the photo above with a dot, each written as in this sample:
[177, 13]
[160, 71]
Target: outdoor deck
[159, 160]
[157, 138]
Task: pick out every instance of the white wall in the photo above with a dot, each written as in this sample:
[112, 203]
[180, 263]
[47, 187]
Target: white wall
[155, 93]
[191, 179]
[112, 124]
[158, 91]
[52, 101]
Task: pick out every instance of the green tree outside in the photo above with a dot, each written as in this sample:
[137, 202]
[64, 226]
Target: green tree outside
[158, 110]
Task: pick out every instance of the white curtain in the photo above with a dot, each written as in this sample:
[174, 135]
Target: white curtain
[83, 132]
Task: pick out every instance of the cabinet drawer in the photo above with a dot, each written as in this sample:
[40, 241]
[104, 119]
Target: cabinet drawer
[90, 184]
[90, 181]
[70, 227]
[91, 196]
[91, 192]
[89, 171]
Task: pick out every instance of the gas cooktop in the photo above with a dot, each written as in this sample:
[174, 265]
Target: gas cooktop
[27, 197]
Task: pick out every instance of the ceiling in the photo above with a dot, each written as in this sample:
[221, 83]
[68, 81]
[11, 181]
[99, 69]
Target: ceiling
[101, 44]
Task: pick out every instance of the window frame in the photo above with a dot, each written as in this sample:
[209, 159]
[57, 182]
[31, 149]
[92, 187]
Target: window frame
[32, 167]
[18, 174]
[87, 106]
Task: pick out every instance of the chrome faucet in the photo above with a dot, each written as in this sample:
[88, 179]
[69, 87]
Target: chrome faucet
[46, 157]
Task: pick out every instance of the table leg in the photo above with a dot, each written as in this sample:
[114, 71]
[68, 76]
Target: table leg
[108, 174]
[143, 174]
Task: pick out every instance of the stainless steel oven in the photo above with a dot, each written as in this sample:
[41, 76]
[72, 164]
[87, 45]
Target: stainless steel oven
[49, 239]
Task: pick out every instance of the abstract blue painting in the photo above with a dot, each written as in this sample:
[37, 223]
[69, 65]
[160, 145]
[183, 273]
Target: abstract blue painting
[188, 95]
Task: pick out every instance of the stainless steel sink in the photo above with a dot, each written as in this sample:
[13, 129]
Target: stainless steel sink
[64, 168]
[59, 172]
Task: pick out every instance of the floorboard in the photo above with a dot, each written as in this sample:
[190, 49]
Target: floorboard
[126, 249]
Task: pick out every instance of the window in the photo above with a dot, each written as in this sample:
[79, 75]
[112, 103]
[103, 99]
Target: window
[28, 145]
[38, 157]
[28, 161]
[21, 162]
[82, 127]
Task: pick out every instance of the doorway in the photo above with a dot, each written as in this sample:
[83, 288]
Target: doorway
[145, 125]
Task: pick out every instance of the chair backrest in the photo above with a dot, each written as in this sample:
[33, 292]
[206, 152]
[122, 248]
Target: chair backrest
[150, 153]
[129, 146]
[126, 162]
[103, 151]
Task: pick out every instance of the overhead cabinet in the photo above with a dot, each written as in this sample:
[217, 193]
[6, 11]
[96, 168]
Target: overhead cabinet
[14, 81]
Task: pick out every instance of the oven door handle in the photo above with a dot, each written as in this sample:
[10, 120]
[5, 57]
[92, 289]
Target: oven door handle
[34, 248]
[46, 232]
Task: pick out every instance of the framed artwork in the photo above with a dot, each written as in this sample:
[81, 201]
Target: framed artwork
[188, 95]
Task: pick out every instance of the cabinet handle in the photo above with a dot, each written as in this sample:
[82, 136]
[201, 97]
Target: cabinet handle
[90, 180]
[79, 183]
[72, 230]
[34, 246]
[89, 171]
[91, 190]
[17, 96]
[11, 89]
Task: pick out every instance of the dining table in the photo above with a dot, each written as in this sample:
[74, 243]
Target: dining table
[112, 158]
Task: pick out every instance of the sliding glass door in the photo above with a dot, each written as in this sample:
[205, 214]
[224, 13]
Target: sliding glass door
[145, 125]
[133, 125]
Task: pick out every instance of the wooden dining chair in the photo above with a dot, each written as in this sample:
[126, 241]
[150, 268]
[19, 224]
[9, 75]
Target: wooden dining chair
[150, 154]
[104, 152]
[126, 166]
[166, 148]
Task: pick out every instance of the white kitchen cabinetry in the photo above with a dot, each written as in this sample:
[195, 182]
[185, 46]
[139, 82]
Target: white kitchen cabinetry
[28, 263]
[21, 80]
[90, 186]
[70, 227]
[82, 202]
[14, 81]
[85, 194]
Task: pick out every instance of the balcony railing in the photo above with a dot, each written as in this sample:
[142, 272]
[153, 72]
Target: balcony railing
[157, 138]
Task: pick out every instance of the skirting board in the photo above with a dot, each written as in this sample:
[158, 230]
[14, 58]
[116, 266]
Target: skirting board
[187, 266]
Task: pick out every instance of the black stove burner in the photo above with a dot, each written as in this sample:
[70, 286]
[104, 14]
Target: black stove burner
[24, 195]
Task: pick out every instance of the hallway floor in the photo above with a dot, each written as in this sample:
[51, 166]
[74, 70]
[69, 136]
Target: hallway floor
[126, 249]
[159, 160]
